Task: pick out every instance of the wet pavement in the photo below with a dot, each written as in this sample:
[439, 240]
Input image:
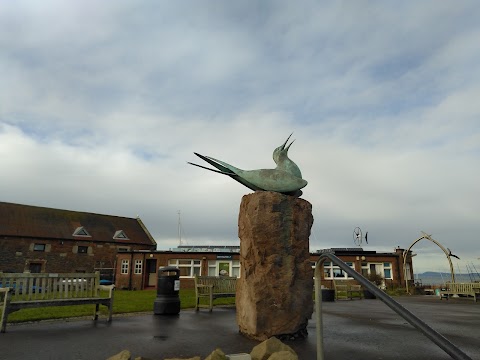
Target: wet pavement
[357, 329]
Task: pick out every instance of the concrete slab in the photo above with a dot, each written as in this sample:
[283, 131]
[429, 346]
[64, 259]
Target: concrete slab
[357, 329]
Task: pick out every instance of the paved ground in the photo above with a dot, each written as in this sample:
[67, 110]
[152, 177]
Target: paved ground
[358, 329]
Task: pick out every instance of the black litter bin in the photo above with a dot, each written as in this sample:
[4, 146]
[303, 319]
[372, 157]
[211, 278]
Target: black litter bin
[168, 286]
[328, 295]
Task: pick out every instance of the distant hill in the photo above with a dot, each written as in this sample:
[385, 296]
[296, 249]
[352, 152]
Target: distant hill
[438, 278]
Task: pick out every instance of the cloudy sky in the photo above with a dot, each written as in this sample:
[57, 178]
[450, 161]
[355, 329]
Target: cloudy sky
[103, 103]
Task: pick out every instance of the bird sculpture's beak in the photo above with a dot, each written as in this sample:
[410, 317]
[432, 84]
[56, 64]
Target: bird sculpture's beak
[285, 143]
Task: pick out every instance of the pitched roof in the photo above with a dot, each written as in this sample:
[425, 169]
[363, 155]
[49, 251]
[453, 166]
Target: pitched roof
[39, 222]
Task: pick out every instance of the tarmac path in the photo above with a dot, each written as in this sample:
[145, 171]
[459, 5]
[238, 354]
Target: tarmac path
[356, 329]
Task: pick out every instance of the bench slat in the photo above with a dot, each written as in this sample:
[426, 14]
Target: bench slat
[18, 305]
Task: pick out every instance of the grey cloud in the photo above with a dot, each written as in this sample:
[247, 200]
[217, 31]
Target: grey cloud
[113, 99]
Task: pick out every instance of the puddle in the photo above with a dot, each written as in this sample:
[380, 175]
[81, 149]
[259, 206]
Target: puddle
[160, 337]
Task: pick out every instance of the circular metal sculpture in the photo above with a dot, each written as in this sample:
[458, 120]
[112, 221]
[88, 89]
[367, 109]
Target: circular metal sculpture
[357, 236]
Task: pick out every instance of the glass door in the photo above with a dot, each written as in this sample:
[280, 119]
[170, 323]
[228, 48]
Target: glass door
[224, 268]
[377, 268]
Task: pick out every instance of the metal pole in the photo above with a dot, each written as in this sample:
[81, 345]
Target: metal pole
[318, 308]
[430, 333]
[405, 253]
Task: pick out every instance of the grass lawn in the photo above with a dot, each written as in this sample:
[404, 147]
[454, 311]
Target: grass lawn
[125, 301]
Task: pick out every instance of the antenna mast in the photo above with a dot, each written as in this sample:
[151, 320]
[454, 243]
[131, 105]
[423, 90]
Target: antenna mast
[179, 229]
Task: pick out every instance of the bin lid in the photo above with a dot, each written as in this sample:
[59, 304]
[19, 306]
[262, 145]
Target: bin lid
[167, 269]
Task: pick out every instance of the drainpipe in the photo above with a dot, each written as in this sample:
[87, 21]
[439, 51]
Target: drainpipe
[131, 272]
[399, 276]
[143, 272]
[114, 279]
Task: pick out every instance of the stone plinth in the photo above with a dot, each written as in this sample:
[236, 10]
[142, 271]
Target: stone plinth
[274, 292]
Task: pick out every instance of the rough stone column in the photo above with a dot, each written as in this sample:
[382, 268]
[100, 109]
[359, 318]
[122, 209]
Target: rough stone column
[274, 292]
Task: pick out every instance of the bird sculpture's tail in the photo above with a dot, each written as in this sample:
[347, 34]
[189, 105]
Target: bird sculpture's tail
[225, 169]
[222, 169]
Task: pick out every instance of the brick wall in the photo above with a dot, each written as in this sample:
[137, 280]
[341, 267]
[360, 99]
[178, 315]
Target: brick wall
[57, 256]
[134, 281]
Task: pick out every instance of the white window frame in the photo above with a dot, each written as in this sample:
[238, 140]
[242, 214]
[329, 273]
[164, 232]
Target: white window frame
[81, 232]
[329, 270]
[120, 235]
[138, 267]
[125, 267]
[388, 266]
[408, 271]
[234, 267]
[193, 266]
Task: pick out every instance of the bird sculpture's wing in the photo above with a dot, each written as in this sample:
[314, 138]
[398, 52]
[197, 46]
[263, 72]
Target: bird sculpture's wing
[274, 180]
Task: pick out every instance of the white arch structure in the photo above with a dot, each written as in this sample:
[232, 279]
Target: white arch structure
[427, 237]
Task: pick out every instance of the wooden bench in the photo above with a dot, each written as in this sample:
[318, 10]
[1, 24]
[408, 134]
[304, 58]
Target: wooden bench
[213, 287]
[26, 290]
[347, 291]
[469, 289]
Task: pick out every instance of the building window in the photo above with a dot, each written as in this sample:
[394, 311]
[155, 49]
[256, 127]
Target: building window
[125, 265]
[408, 271]
[236, 268]
[35, 268]
[224, 268]
[39, 247]
[212, 268]
[120, 235]
[81, 231]
[365, 269]
[188, 268]
[387, 270]
[383, 269]
[82, 250]
[332, 271]
[138, 266]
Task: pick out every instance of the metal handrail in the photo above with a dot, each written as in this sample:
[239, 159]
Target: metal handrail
[433, 335]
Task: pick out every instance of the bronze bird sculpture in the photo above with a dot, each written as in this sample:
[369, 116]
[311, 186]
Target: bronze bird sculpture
[286, 178]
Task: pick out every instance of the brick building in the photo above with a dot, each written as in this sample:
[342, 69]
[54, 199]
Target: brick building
[388, 265]
[39, 239]
[137, 270]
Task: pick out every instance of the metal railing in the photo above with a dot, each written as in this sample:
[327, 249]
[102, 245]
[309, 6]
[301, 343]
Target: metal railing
[433, 335]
